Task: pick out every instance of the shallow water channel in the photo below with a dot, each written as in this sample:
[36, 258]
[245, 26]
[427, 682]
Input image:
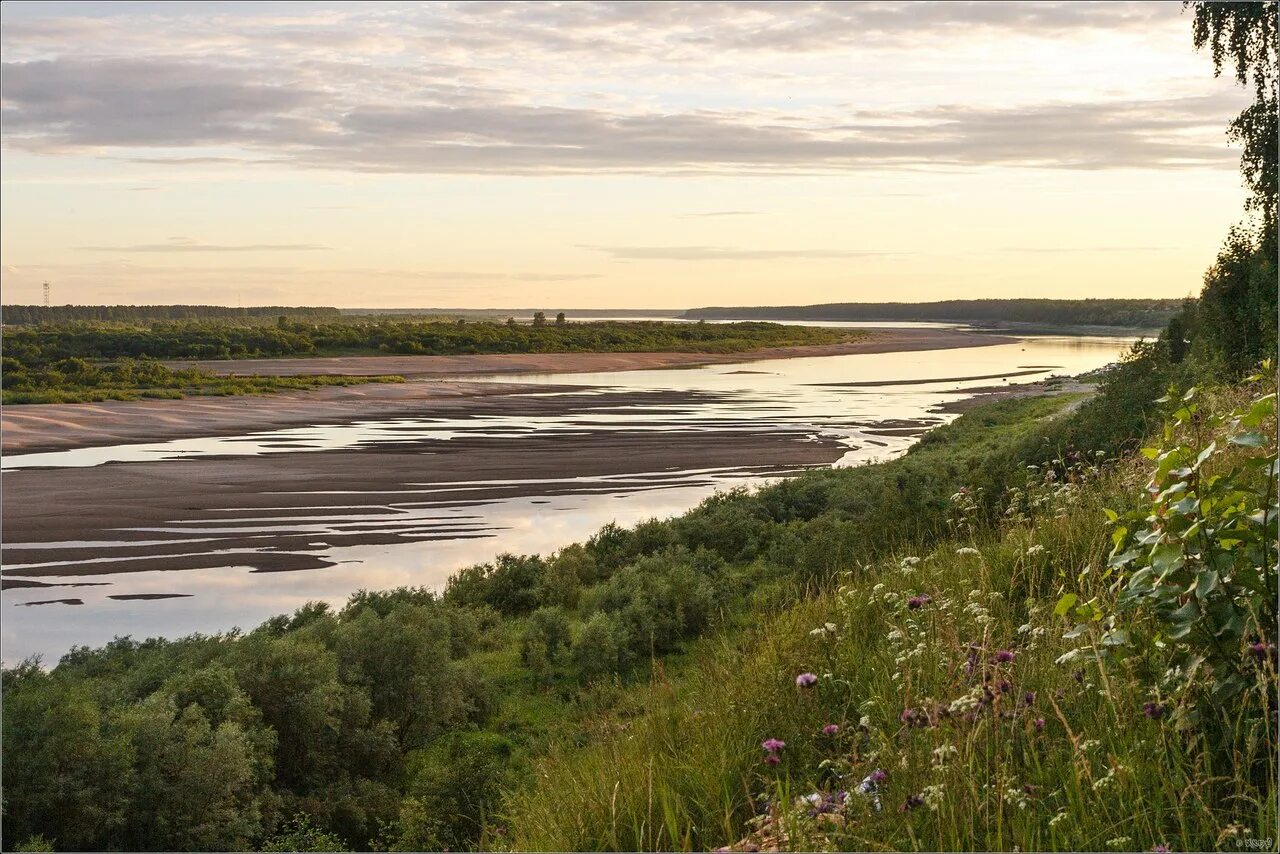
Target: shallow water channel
[867, 407]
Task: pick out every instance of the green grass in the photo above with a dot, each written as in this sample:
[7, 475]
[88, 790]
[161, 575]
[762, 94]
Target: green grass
[687, 772]
[185, 385]
[1063, 757]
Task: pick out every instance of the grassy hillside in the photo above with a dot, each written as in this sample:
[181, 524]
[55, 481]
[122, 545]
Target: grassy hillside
[1009, 687]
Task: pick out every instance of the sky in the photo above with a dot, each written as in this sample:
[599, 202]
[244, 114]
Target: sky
[593, 155]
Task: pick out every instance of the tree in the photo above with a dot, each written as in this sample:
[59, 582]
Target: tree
[560, 321]
[511, 321]
[539, 318]
[1245, 35]
[1237, 313]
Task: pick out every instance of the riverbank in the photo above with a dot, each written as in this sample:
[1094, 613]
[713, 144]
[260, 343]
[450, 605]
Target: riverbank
[51, 427]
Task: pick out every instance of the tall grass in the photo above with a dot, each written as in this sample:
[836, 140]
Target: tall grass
[992, 729]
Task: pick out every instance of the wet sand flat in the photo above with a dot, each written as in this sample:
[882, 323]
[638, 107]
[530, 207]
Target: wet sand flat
[51, 427]
[274, 512]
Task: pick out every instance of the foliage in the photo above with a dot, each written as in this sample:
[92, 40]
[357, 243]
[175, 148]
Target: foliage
[224, 339]
[76, 380]
[401, 718]
[32, 314]
[1245, 34]
[1237, 310]
[1200, 556]
[954, 706]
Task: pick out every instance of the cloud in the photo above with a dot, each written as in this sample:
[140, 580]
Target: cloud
[184, 244]
[722, 253]
[134, 106]
[493, 88]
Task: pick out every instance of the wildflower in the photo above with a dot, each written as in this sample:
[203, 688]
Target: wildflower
[878, 776]
[864, 722]
[1028, 698]
[1004, 656]
[1035, 550]
[830, 729]
[1154, 711]
[1058, 819]
[1004, 686]
[806, 680]
[917, 602]
[1120, 842]
[772, 745]
[1161, 848]
[1259, 650]
[967, 550]
[942, 754]
[1015, 797]
[932, 796]
[1038, 723]
[772, 759]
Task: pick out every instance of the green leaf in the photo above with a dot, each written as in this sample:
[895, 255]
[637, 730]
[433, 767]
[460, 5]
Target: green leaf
[1206, 583]
[1166, 557]
[1248, 440]
[1064, 604]
[1112, 515]
[1186, 615]
[1116, 637]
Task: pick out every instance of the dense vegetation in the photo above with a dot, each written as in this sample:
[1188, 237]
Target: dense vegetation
[74, 380]
[1039, 629]
[80, 361]
[1127, 313]
[32, 314]
[410, 721]
[290, 337]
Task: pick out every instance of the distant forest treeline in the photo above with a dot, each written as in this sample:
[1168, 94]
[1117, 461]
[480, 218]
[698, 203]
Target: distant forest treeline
[28, 314]
[1138, 313]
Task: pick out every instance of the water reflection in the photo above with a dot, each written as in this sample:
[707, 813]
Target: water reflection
[875, 405]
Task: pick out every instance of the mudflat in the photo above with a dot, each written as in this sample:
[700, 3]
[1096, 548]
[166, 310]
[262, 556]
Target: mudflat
[280, 511]
[435, 390]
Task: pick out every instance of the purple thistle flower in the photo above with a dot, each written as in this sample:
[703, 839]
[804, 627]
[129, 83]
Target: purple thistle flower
[1029, 698]
[908, 716]
[1259, 650]
[878, 776]
[1155, 711]
[1004, 656]
[772, 745]
[806, 680]
[1004, 686]
[771, 759]
[917, 602]
[1038, 723]
[911, 803]
[830, 729]
[1161, 849]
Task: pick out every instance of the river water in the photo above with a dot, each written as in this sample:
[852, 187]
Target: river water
[873, 405]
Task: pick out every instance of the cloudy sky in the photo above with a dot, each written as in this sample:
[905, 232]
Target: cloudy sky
[608, 155]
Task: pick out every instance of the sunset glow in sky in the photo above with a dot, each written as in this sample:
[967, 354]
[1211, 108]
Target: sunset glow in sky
[609, 155]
